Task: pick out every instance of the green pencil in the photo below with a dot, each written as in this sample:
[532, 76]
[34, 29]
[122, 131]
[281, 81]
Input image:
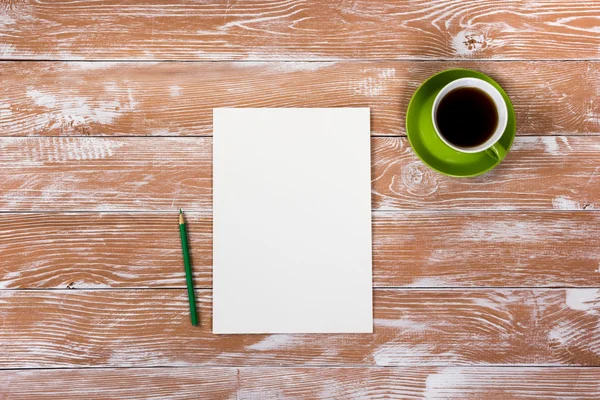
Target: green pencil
[188, 269]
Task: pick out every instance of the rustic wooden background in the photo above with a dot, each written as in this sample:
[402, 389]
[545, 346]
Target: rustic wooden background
[485, 288]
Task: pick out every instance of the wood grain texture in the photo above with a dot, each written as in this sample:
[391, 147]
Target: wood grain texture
[104, 207]
[73, 328]
[97, 250]
[247, 383]
[100, 174]
[538, 174]
[165, 174]
[91, 98]
[418, 249]
[299, 29]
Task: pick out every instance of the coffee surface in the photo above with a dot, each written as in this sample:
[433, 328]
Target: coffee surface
[467, 117]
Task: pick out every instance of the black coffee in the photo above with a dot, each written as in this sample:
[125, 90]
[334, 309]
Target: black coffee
[467, 117]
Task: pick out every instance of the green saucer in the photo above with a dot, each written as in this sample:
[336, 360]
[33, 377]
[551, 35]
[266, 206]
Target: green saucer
[430, 148]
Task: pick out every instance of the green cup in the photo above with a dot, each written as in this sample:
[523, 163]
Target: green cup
[491, 146]
[434, 150]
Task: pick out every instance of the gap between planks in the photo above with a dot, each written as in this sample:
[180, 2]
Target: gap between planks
[397, 288]
[377, 212]
[300, 60]
[378, 136]
[308, 367]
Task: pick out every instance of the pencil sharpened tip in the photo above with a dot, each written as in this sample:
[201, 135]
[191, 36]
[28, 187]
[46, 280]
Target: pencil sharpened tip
[180, 212]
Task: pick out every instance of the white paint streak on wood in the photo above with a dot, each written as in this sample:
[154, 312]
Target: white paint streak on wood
[400, 323]
[375, 83]
[175, 91]
[551, 145]
[59, 150]
[5, 111]
[583, 299]
[566, 336]
[427, 282]
[397, 353]
[5, 21]
[285, 66]
[132, 102]
[275, 342]
[41, 99]
[522, 230]
[581, 23]
[444, 382]
[97, 65]
[73, 110]
[6, 50]
[564, 203]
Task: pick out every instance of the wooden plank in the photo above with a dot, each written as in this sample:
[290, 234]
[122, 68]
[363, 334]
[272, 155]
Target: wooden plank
[284, 29]
[540, 173]
[418, 249]
[96, 250]
[90, 98]
[461, 383]
[143, 174]
[73, 328]
[105, 174]
[486, 249]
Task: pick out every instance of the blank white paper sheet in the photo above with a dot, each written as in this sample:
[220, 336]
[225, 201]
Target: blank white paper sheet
[292, 220]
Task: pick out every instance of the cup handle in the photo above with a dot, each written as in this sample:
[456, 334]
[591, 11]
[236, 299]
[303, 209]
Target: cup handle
[496, 151]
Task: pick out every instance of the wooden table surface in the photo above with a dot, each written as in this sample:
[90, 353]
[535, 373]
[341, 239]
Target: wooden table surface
[485, 288]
